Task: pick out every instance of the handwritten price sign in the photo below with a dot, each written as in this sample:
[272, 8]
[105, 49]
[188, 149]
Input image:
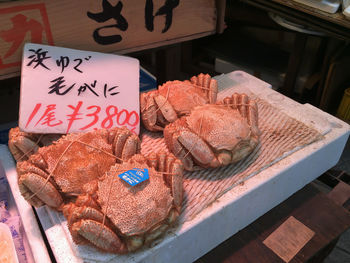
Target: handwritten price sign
[65, 90]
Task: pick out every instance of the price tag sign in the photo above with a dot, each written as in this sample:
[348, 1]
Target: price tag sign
[134, 176]
[65, 90]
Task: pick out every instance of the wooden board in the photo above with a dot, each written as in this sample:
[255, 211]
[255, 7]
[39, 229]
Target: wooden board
[310, 207]
[100, 25]
[288, 239]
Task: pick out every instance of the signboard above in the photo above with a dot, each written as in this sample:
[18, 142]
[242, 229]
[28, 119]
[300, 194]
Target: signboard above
[65, 90]
[100, 25]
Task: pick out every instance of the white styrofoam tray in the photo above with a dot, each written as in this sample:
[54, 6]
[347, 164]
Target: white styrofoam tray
[235, 209]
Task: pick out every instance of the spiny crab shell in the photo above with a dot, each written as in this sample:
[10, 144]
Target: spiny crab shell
[122, 218]
[23, 144]
[175, 99]
[215, 135]
[72, 165]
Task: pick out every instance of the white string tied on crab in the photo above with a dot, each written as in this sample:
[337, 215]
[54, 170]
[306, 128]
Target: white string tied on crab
[96, 148]
[61, 156]
[50, 174]
[110, 190]
[156, 174]
[30, 150]
[107, 205]
[204, 88]
[235, 104]
[159, 107]
[166, 99]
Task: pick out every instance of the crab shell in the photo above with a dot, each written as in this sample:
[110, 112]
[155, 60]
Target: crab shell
[23, 144]
[135, 215]
[175, 99]
[215, 135]
[72, 165]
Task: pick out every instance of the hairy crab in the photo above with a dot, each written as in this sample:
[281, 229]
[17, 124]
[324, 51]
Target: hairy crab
[23, 144]
[122, 218]
[214, 135]
[72, 165]
[175, 99]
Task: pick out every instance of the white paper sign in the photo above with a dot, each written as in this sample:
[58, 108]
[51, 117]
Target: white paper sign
[65, 90]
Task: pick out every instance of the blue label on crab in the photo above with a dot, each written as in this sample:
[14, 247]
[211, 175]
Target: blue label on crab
[134, 176]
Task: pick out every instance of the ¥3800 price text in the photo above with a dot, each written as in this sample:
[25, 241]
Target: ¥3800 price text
[93, 117]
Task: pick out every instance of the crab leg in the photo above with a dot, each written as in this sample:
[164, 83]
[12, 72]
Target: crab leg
[149, 109]
[23, 144]
[45, 191]
[201, 151]
[160, 119]
[166, 108]
[20, 146]
[28, 195]
[173, 173]
[119, 141]
[74, 213]
[99, 235]
[198, 148]
[176, 184]
[180, 151]
[131, 147]
[210, 85]
[24, 171]
[243, 150]
[86, 224]
[247, 108]
[125, 144]
[213, 91]
[171, 137]
[196, 80]
[86, 200]
[253, 118]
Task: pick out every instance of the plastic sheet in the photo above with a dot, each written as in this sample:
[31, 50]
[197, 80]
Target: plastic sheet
[12, 221]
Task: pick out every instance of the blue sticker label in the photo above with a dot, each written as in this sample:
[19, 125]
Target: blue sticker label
[134, 176]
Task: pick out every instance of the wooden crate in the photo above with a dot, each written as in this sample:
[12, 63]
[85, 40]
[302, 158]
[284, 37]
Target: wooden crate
[101, 25]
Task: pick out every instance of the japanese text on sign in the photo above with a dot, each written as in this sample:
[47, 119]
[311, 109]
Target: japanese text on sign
[115, 12]
[65, 90]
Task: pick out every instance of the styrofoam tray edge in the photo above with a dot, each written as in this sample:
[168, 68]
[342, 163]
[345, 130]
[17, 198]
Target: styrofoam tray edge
[306, 113]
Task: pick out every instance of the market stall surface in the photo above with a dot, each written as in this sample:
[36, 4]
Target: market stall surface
[298, 143]
[341, 252]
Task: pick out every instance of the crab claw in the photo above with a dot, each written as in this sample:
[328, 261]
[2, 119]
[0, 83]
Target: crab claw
[156, 111]
[22, 144]
[100, 235]
[36, 187]
[87, 224]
